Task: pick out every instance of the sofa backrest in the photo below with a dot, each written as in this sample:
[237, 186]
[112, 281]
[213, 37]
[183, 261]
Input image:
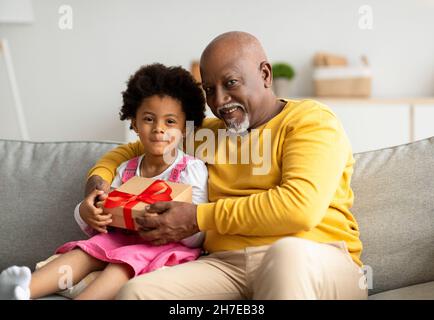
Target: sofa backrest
[394, 207]
[40, 184]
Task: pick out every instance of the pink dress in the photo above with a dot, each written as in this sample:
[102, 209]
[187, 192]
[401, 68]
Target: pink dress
[118, 247]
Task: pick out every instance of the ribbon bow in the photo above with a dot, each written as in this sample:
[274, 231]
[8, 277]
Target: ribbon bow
[159, 190]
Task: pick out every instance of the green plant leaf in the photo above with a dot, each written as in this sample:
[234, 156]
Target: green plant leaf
[283, 70]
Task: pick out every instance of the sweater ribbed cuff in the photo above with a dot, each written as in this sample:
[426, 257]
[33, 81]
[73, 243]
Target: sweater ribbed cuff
[205, 216]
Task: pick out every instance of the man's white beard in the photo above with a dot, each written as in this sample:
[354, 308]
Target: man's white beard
[238, 128]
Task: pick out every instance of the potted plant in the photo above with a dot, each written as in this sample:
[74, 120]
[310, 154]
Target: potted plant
[283, 73]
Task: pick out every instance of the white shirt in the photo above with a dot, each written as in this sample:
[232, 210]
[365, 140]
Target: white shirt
[194, 174]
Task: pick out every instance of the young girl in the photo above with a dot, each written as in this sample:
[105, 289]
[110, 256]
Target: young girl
[158, 101]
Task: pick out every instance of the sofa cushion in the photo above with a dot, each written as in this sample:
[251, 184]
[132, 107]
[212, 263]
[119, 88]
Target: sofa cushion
[394, 206]
[40, 184]
[424, 291]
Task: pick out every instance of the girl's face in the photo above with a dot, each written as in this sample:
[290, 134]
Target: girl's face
[160, 124]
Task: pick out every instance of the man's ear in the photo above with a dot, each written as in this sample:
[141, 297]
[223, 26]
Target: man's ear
[267, 74]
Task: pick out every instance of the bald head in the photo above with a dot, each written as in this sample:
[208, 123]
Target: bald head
[236, 44]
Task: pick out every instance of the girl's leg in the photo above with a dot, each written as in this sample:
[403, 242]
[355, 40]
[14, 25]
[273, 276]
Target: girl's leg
[108, 283]
[78, 263]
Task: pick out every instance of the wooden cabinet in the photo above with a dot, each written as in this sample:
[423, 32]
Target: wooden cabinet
[371, 127]
[380, 123]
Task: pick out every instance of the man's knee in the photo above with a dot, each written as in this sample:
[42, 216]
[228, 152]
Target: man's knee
[132, 290]
[291, 249]
[144, 287]
[149, 286]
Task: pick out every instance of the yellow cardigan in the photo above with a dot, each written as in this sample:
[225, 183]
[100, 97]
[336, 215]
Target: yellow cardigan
[306, 193]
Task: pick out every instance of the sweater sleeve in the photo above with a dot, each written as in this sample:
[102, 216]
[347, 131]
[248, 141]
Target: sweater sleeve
[106, 166]
[315, 153]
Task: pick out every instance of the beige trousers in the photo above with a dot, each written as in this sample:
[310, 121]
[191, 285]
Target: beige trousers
[291, 268]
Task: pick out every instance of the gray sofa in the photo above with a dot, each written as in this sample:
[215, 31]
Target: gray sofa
[40, 183]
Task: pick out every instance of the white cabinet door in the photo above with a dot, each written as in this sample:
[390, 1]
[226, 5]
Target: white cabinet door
[374, 126]
[423, 121]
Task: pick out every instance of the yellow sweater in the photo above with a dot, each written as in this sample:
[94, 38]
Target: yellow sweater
[305, 194]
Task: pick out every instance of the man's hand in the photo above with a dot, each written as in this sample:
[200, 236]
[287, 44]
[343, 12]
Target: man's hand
[98, 183]
[166, 222]
[91, 211]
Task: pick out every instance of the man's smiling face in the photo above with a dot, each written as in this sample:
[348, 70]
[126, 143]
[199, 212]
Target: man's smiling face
[234, 86]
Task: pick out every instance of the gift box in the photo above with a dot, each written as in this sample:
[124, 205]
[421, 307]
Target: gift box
[129, 200]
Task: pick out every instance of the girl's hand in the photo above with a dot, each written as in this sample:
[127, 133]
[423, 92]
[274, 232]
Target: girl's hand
[92, 213]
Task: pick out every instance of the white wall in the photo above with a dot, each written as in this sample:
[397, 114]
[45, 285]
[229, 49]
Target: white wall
[70, 80]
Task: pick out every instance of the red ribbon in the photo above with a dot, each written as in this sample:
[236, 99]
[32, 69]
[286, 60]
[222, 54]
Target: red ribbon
[159, 190]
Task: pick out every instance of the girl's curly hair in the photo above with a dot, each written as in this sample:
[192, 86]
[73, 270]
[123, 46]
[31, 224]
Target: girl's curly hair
[157, 79]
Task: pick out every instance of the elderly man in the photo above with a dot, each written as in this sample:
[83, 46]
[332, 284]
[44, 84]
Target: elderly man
[286, 233]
